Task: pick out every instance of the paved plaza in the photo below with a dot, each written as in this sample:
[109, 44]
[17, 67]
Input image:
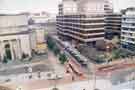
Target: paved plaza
[41, 66]
[78, 85]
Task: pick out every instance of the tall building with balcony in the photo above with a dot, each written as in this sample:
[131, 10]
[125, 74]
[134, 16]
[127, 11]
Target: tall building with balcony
[16, 39]
[112, 21]
[128, 29]
[81, 20]
[108, 6]
[113, 25]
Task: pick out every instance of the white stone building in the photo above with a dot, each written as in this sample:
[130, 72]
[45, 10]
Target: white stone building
[41, 17]
[16, 39]
[40, 40]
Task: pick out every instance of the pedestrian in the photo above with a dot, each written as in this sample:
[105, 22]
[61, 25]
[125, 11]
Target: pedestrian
[30, 77]
[39, 74]
[26, 69]
[73, 78]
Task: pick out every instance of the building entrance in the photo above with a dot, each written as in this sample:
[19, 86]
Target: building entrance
[8, 52]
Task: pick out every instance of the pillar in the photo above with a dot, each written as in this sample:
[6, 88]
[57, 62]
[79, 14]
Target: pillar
[2, 49]
[19, 49]
[1, 53]
[11, 49]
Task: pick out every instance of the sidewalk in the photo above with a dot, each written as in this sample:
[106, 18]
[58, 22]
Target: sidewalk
[84, 85]
[19, 64]
[59, 68]
[101, 84]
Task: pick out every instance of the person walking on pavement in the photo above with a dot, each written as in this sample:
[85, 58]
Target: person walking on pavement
[73, 78]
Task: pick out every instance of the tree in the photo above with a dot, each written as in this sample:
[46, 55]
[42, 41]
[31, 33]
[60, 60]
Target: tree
[116, 54]
[62, 58]
[50, 43]
[56, 50]
[55, 89]
[100, 59]
[115, 41]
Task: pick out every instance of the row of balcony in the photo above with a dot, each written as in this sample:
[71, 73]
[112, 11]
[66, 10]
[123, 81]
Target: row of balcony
[82, 33]
[81, 38]
[82, 27]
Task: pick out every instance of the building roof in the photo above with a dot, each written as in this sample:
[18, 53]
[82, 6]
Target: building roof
[13, 14]
[18, 33]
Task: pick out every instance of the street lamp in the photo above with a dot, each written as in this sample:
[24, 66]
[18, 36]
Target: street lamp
[107, 53]
[55, 83]
[56, 78]
[94, 87]
[93, 67]
[30, 71]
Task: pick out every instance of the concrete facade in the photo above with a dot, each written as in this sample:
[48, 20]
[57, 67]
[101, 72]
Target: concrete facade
[81, 20]
[41, 17]
[113, 25]
[128, 29]
[15, 37]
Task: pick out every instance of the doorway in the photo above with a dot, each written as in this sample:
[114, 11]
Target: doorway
[8, 52]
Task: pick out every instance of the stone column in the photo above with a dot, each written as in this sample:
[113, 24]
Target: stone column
[19, 49]
[2, 49]
[1, 58]
[11, 49]
[14, 48]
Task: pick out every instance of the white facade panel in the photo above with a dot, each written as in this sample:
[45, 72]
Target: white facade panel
[13, 20]
[25, 44]
[69, 7]
[91, 7]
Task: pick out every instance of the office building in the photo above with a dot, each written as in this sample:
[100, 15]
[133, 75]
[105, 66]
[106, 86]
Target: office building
[112, 21]
[128, 29]
[108, 6]
[113, 25]
[81, 21]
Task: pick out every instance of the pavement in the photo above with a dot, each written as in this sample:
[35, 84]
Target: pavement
[55, 64]
[122, 76]
[125, 86]
[43, 81]
[119, 72]
[38, 64]
[78, 85]
[18, 64]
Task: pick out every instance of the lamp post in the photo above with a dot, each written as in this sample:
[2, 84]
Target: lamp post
[93, 68]
[55, 82]
[107, 54]
[95, 78]
[56, 78]
[30, 71]
[88, 71]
